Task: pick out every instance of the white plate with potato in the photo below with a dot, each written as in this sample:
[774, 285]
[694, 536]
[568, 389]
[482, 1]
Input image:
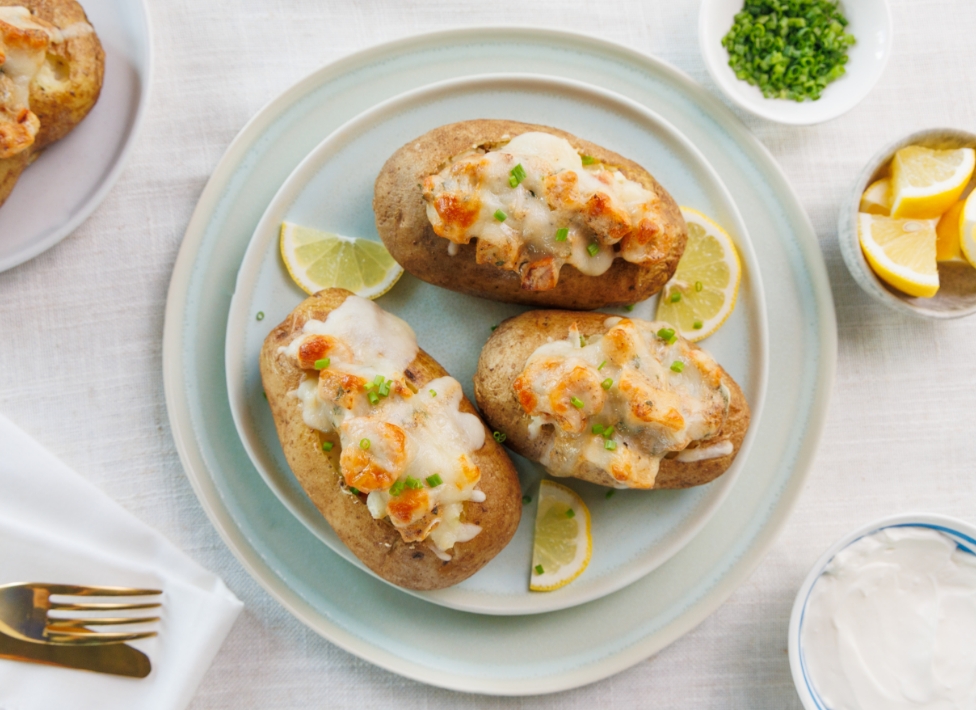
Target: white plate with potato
[634, 531]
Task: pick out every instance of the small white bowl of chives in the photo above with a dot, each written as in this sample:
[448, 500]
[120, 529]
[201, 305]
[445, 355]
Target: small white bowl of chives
[869, 21]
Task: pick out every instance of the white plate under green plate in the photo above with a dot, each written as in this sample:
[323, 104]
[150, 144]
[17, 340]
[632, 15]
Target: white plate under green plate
[332, 189]
[430, 643]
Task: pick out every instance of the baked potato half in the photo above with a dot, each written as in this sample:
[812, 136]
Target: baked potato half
[348, 472]
[49, 48]
[528, 214]
[636, 407]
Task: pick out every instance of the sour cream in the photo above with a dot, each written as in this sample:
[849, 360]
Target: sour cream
[891, 624]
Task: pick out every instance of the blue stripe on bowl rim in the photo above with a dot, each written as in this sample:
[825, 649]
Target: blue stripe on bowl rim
[958, 537]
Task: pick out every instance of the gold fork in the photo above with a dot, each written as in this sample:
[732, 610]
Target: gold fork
[24, 615]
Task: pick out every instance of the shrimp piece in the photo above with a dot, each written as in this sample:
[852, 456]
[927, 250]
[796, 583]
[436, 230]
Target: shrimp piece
[568, 391]
[374, 453]
[649, 404]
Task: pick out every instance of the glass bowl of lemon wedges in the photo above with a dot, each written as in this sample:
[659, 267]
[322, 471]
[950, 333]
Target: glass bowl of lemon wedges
[908, 231]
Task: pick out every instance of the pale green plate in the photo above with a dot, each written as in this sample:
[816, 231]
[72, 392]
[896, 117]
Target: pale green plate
[475, 652]
[332, 189]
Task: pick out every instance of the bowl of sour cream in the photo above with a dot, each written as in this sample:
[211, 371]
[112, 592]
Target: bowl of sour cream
[886, 619]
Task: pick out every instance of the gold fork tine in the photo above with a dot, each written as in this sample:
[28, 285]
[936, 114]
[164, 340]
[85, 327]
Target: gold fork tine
[83, 591]
[80, 638]
[70, 624]
[101, 606]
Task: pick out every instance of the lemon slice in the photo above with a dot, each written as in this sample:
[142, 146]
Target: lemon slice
[967, 228]
[877, 198]
[925, 182]
[948, 232]
[318, 260]
[901, 252]
[563, 544]
[701, 294]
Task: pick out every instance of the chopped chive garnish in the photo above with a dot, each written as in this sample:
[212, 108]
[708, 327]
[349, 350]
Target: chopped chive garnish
[562, 234]
[539, 570]
[789, 49]
[600, 366]
[608, 432]
[435, 480]
[378, 380]
[499, 437]
[354, 491]
[327, 446]
[593, 249]
[672, 340]
[517, 175]
[677, 366]
[493, 328]
[587, 159]
[582, 342]
[500, 216]
[698, 325]
[610, 445]
[397, 488]
[699, 286]
[265, 395]
[676, 296]
[373, 398]
[369, 386]
[364, 444]
[610, 494]
[260, 315]
[576, 402]
[433, 393]
[322, 364]
[597, 429]
[570, 513]
[526, 500]
[413, 484]
[385, 388]
[629, 308]
[665, 333]
[607, 383]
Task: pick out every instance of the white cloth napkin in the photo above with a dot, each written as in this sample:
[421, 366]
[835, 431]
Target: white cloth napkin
[57, 527]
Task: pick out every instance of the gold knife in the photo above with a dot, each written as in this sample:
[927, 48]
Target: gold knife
[116, 658]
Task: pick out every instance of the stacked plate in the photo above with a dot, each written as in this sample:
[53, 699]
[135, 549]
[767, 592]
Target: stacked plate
[662, 560]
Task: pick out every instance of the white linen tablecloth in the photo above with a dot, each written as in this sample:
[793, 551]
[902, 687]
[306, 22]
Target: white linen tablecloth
[81, 331]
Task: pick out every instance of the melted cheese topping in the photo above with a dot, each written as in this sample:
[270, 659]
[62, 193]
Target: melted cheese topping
[516, 200]
[620, 402]
[24, 41]
[393, 437]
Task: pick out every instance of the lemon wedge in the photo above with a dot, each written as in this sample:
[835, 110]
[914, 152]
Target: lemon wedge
[318, 260]
[967, 228]
[877, 198]
[563, 543]
[901, 252]
[948, 232]
[925, 182]
[701, 295]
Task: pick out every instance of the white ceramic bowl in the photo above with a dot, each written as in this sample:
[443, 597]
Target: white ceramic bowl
[957, 281]
[870, 23]
[962, 532]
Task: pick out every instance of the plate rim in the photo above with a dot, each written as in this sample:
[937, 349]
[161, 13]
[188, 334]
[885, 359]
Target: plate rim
[311, 165]
[300, 607]
[106, 185]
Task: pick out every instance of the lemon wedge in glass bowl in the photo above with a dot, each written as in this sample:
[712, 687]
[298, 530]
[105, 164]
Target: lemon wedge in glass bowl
[317, 260]
[902, 252]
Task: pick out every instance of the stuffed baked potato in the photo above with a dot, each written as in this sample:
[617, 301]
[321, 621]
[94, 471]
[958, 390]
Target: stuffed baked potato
[616, 401]
[386, 445]
[528, 214]
[51, 71]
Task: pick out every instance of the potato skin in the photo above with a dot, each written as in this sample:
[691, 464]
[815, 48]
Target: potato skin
[63, 96]
[401, 220]
[376, 542]
[503, 359]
